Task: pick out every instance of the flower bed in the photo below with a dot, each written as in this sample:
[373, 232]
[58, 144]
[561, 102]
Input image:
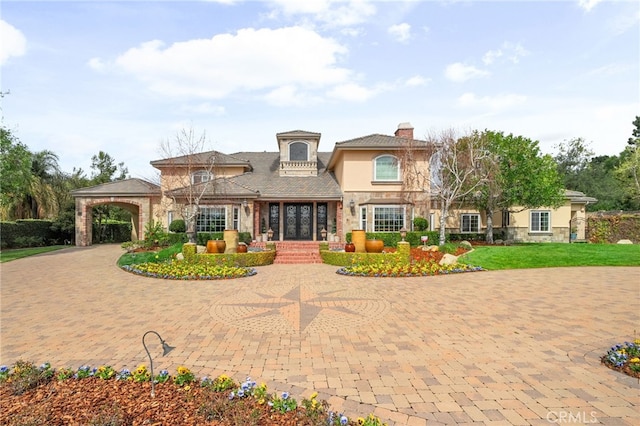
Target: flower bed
[624, 358]
[102, 396]
[420, 269]
[421, 263]
[188, 270]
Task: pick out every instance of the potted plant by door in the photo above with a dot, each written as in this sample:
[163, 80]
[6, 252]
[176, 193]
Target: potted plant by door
[574, 233]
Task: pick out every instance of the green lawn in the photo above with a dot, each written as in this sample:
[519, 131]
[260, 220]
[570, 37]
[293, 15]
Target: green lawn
[8, 255]
[521, 256]
[546, 255]
[144, 257]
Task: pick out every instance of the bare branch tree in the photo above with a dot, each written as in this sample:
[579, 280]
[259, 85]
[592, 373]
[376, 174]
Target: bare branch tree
[414, 157]
[186, 155]
[454, 171]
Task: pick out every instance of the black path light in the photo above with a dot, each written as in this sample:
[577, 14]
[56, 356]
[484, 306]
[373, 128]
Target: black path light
[165, 350]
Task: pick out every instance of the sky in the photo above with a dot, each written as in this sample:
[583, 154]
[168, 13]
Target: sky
[79, 77]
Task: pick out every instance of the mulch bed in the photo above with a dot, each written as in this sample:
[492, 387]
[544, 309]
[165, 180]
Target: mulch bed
[625, 369]
[94, 401]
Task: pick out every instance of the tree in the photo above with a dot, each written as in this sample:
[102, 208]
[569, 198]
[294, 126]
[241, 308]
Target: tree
[414, 157]
[455, 173]
[187, 151]
[629, 169]
[15, 171]
[44, 185]
[518, 176]
[104, 169]
[573, 158]
[635, 133]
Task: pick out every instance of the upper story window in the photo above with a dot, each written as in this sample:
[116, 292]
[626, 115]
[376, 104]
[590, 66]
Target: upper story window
[298, 151]
[386, 168]
[201, 176]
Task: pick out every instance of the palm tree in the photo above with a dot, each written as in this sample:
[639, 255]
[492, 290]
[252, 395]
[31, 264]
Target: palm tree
[41, 199]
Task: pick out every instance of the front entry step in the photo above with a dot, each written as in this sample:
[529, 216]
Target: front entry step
[298, 252]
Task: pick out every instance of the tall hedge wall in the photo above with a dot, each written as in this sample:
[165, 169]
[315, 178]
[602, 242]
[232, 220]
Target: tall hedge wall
[28, 233]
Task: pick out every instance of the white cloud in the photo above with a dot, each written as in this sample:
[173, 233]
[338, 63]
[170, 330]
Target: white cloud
[491, 56]
[609, 70]
[493, 102]
[204, 108]
[417, 80]
[97, 64]
[458, 72]
[587, 5]
[289, 95]
[334, 13]
[401, 32]
[250, 60]
[351, 92]
[623, 22]
[511, 51]
[13, 43]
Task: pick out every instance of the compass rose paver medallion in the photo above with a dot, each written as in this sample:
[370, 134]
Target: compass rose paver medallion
[300, 309]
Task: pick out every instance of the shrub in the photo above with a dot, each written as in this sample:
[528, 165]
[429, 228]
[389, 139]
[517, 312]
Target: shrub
[29, 241]
[178, 237]
[420, 224]
[154, 234]
[178, 225]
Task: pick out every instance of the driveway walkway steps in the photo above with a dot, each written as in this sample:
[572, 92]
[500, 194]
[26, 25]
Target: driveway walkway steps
[508, 347]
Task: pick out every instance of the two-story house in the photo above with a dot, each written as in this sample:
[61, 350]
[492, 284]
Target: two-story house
[297, 192]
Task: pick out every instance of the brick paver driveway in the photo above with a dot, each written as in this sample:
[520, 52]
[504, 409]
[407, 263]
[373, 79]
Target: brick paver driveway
[514, 347]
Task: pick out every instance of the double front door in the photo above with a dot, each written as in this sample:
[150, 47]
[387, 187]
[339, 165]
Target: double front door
[298, 220]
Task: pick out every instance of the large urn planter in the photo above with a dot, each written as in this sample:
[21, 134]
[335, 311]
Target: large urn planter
[374, 246]
[216, 246]
[358, 238]
[231, 237]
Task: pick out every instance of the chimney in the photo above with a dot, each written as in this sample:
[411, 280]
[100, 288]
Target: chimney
[405, 130]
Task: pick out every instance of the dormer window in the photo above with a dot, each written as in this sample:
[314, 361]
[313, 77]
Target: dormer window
[386, 169]
[298, 151]
[201, 176]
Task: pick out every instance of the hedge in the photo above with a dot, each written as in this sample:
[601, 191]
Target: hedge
[203, 237]
[252, 258]
[111, 232]
[391, 239]
[28, 233]
[341, 258]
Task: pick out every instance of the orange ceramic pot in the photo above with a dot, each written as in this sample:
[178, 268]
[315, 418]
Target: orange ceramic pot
[242, 248]
[216, 246]
[350, 247]
[374, 246]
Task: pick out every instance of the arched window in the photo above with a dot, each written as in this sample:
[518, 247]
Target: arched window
[298, 151]
[201, 176]
[386, 168]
